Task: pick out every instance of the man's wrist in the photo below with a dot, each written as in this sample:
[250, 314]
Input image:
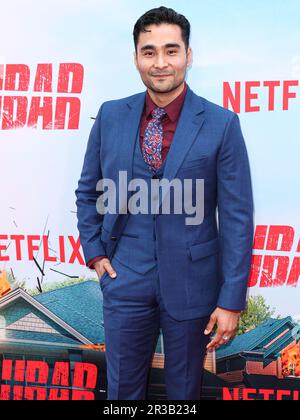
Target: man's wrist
[92, 262]
[230, 310]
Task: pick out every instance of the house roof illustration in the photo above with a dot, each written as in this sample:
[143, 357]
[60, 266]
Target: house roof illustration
[80, 306]
[268, 339]
[69, 316]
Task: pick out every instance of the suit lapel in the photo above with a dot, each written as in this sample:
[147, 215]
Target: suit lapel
[129, 126]
[190, 122]
[128, 134]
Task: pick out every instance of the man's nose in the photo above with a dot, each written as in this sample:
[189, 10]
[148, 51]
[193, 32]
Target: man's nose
[160, 61]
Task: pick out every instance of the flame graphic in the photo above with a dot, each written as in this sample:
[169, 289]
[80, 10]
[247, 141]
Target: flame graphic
[4, 283]
[291, 360]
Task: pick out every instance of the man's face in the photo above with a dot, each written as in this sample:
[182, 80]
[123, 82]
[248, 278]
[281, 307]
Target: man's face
[161, 57]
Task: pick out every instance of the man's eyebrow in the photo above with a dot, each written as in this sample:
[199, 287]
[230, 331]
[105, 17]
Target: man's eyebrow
[148, 47]
[172, 45]
[152, 47]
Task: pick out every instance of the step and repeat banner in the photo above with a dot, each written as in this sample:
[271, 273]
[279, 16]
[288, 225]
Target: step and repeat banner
[59, 61]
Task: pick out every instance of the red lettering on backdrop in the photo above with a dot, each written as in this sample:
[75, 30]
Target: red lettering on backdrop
[68, 248]
[260, 237]
[40, 107]
[31, 246]
[17, 77]
[274, 270]
[47, 257]
[57, 112]
[18, 239]
[284, 233]
[273, 260]
[42, 384]
[61, 113]
[271, 85]
[232, 98]
[267, 393]
[76, 251]
[43, 78]
[229, 395]
[248, 394]
[294, 273]
[279, 264]
[250, 95]
[255, 270]
[287, 94]
[1, 77]
[254, 93]
[65, 72]
[3, 248]
[17, 104]
[85, 376]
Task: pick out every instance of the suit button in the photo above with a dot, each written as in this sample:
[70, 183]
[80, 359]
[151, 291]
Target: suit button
[155, 177]
[113, 238]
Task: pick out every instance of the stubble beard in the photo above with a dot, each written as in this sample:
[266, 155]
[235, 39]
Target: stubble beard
[169, 88]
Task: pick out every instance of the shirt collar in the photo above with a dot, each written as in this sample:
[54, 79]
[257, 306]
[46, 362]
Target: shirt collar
[172, 109]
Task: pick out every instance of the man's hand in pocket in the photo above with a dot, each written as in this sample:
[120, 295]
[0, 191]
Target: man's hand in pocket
[104, 265]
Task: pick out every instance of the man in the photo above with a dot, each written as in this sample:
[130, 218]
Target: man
[157, 271]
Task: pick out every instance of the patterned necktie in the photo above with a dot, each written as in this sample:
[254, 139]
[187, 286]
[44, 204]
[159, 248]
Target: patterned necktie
[152, 142]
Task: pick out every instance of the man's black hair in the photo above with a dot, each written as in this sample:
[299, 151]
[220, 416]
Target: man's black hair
[162, 15]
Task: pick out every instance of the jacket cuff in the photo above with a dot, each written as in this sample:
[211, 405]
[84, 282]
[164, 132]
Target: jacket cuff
[90, 263]
[231, 310]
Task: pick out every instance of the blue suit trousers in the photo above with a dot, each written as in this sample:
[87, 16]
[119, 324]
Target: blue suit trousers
[134, 314]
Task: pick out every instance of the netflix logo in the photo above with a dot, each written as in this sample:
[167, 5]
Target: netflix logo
[32, 95]
[251, 394]
[256, 96]
[23, 247]
[276, 264]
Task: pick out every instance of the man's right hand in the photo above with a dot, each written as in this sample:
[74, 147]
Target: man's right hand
[104, 265]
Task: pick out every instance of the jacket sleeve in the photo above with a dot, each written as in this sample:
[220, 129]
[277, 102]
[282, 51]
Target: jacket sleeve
[89, 220]
[235, 217]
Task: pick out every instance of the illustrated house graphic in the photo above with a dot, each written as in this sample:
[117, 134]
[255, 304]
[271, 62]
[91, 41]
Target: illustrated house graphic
[267, 357]
[62, 325]
[67, 325]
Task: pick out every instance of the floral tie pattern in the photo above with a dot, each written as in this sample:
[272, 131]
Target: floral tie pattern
[152, 142]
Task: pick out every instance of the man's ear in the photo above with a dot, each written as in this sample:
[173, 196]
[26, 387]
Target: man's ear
[134, 59]
[189, 57]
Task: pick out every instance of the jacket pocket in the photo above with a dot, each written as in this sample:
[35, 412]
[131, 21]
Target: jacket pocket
[204, 249]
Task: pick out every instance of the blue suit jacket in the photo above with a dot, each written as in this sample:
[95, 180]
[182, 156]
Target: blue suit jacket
[210, 262]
